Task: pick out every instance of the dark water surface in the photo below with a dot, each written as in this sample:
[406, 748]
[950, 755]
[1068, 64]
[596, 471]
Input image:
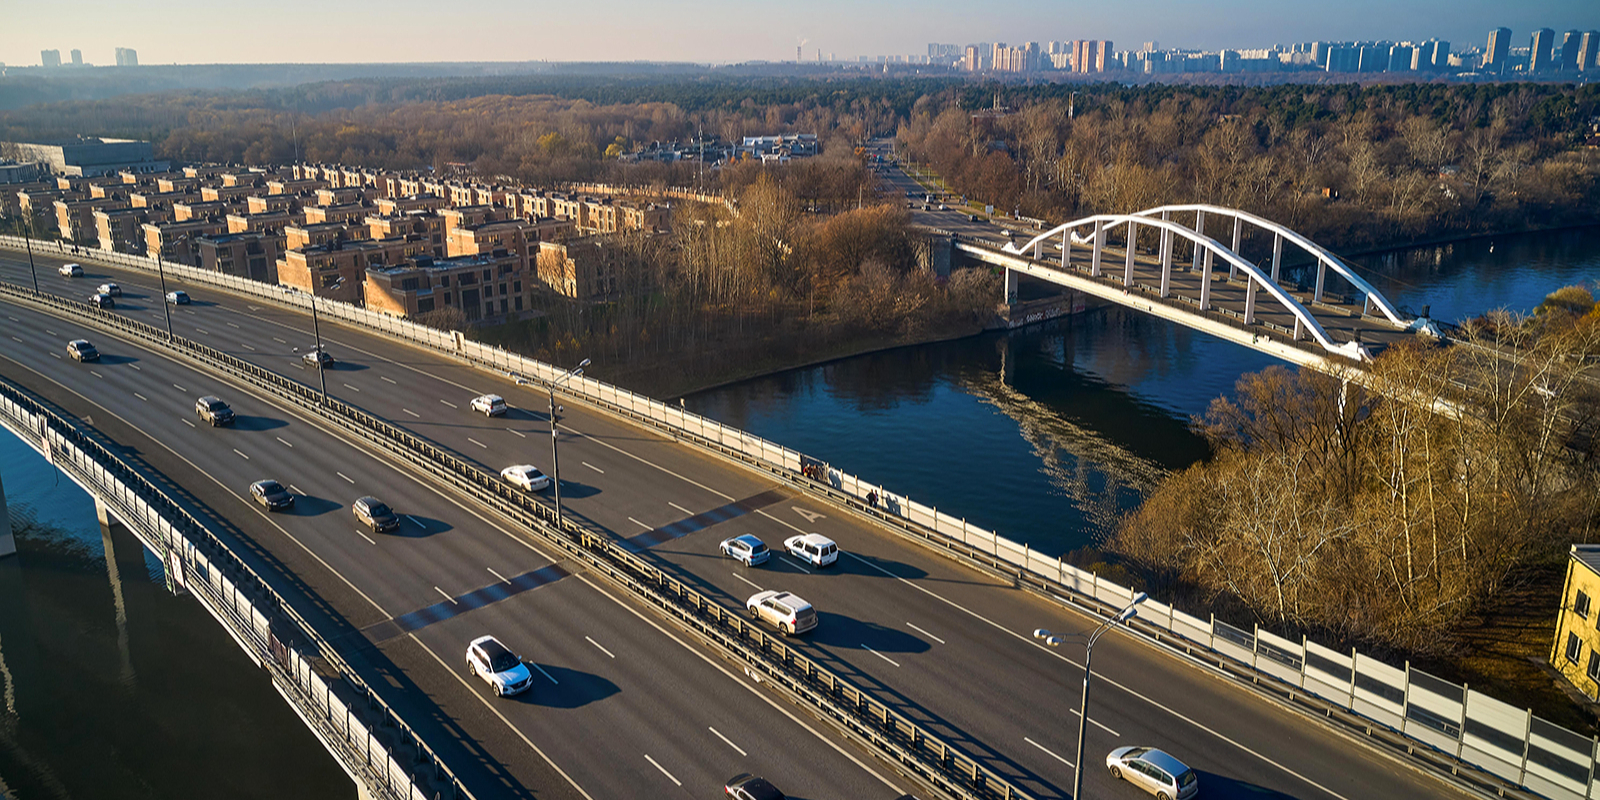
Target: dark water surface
[112, 687]
[1048, 434]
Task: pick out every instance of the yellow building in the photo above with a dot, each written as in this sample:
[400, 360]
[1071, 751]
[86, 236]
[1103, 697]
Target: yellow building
[1576, 650]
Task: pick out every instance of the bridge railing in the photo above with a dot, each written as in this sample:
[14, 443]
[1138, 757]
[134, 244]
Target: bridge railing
[344, 713]
[1502, 747]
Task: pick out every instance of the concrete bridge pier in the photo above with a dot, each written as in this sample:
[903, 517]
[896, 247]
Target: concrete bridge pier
[8, 539]
[1011, 286]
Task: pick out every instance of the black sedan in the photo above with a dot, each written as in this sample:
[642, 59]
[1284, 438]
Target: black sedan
[745, 786]
[271, 494]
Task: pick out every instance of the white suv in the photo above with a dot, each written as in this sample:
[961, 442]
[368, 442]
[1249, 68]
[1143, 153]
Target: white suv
[492, 661]
[492, 404]
[786, 611]
[812, 548]
[71, 270]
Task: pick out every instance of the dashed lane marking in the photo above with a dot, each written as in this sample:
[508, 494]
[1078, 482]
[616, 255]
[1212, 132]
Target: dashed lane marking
[593, 467]
[285, 442]
[924, 633]
[146, 399]
[727, 741]
[517, 432]
[346, 477]
[241, 454]
[478, 443]
[412, 413]
[747, 580]
[1048, 752]
[601, 646]
[450, 404]
[663, 770]
[880, 655]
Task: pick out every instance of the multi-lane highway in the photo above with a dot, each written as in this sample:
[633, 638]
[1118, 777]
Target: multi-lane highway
[944, 644]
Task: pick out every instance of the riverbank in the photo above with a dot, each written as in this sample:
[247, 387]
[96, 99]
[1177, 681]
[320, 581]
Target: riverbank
[1467, 237]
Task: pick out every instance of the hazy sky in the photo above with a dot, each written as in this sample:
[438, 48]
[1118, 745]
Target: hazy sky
[222, 31]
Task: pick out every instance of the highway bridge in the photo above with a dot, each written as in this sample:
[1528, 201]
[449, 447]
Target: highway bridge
[630, 702]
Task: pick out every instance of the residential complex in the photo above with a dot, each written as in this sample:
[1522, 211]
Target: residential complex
[397, 242]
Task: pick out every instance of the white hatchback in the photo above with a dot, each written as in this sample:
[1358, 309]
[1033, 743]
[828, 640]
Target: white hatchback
[528, 476]
[492, 661]
[812, 548]
[492, 404]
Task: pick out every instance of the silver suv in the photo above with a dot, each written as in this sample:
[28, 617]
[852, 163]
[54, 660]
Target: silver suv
[785, 611]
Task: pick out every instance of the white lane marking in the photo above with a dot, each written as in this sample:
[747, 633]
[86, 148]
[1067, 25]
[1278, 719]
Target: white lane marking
[13, 319]
[187, 422]
[351, 388]
[450, 404]
[791, 562]
[1098, 723]
[187, 311]
[96, 374]
[546, 674]
[641, 524]
[55, 355]
[412, 413]
[728, 741]
[363, 535]
[279, 341]
[880, 655]
[593, 467]
[663, 770]
[446, 596]
[478, 443]
[296, 489]
[180, 388]
[389, 380]
[15, 339]
[602, 648]
[204, 331]
[231, 325]
[517, 432]
[247, 347]
[136, 367]
[680, 508]
[1103, 678]
[747, 580]
[241, 455]
[285, 442]
[1047, 751]
[146, 399]
[51, 332]
[497, 575]
[925, 633]
[414, 521]
[346, 477]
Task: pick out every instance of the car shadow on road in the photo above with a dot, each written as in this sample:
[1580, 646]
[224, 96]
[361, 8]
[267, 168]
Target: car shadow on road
[1215, 786]
[347, 366]
[837, 630]
[252, 423]
[306, 505]
[415, 527]
[524, 415]
[110, 359]
[572, 689]
[575, 490]
[896, 569]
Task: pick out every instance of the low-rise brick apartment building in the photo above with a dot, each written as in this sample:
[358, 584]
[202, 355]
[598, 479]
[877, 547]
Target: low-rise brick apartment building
[485, 288]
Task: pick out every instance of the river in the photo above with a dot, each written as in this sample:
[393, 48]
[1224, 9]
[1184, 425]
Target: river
[111, 687]
[1049, 434]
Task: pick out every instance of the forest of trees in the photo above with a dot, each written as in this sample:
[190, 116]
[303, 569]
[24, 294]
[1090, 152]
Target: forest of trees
[1347, 165]
[1363, 514]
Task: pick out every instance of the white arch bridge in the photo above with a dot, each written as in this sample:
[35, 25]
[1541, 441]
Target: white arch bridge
[1163, 262]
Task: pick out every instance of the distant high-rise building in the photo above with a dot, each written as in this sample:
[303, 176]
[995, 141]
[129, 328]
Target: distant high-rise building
[1540, 53]
[1400, 58]
[1150, 47]
[77, 57]
[1570, 42]
[1440, 54]
[1496, 53]
[50, 58]
[1090, 55]
[1343, 58]
[1373, 57]
[128, 57]
[1587, 50]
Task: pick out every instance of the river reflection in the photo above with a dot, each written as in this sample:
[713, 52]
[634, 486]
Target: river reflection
[1049, 434]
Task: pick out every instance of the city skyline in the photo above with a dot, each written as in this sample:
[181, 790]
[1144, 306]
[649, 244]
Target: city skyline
[183, 31]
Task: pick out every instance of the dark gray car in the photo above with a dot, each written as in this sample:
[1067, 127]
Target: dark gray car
[374, 514]
[271, 494]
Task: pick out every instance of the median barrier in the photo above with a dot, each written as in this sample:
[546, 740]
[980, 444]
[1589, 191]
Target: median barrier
[1547, 764]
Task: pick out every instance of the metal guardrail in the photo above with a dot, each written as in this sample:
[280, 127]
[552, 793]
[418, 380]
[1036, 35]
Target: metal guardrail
[341, 709]
[893, 735]
[1494, 744]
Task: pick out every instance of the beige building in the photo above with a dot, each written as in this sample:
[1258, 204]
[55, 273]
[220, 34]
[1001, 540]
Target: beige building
[248, 255]
[263, 204]
[183, 212]
[298, 237]
[319, 269]
[587, 268]
[484, 288]
[421, 226]
[350, 212]
[176, 241]
[1575, 653]
[121, 230]
[391, 206]
[214, 194]
[75, 218]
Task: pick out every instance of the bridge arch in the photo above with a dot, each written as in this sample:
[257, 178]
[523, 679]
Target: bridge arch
[1208, 249]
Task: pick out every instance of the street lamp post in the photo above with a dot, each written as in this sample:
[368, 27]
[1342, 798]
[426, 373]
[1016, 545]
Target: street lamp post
[555, 458]
[316, 330]
[166, 304]
[1128, 612]
[26, 229]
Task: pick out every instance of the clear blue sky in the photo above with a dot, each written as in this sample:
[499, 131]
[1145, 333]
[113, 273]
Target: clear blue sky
[223, 31]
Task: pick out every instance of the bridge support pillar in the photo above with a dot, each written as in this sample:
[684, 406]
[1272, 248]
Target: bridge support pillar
[1200, 228]
[103, 513]
[1167, 246]
[1322, 277]
[8, 540]
[1038, 250]
[1277, 255]
[1205, 283]
[1250, 300]
[1011, 287]
[1133, 246]
[1238, 225]
[1099, 240]
[1066, 249]
[1299, 329]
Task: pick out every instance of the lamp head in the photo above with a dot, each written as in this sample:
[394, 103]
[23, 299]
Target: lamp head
[1127, 614]
[583, 363]
[1041, 633]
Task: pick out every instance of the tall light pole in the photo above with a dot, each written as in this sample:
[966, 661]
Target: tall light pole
[166, 304]
[26, 230]
[555, 411]
[316, 330]
[1128, 612]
